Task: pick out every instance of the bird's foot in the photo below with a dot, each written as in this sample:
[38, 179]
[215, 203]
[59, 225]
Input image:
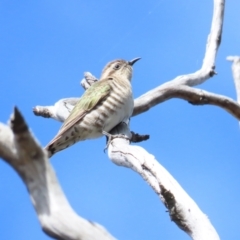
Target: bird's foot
[110, 137]
[138, 137]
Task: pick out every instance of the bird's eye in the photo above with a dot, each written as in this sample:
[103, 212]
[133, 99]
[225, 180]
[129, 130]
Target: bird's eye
[117, 66]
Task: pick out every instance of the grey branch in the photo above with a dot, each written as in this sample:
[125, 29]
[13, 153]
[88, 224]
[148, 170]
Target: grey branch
[236, 73]
[190, 94]
[19, 148]
[88, 80]
[59, 111]
[182, 209]
[62, 108]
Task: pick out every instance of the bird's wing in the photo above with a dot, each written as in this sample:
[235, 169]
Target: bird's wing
[93, 95]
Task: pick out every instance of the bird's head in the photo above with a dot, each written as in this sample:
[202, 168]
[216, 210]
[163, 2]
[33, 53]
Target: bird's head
[119, 68]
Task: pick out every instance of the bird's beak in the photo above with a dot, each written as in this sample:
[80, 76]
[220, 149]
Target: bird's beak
[133, 61]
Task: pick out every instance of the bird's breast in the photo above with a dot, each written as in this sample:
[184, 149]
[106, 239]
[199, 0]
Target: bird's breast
[115, 108]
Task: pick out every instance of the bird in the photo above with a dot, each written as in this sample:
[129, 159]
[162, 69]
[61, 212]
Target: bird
[103, 106]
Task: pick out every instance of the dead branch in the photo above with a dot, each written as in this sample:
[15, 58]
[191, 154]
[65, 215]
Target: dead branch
[236, 73]
[182, 209]
[19, 148]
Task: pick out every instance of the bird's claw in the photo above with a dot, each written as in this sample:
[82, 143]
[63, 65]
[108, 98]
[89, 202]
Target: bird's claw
[110, 137]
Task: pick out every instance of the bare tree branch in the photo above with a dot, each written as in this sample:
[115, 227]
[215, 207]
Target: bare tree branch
[59, 111]
[88, 80]
[182, 209]
[19, 148]
[236, 73]
[190, 94]
[168, 90]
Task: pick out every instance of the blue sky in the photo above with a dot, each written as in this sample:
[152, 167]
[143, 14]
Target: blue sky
[45, 46]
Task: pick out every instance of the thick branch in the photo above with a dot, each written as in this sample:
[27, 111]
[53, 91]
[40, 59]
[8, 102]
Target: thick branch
[25, 155]
[59, 111]
[192, 95]
[182, 209]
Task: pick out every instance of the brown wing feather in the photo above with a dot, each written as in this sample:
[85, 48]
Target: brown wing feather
[66, 128]
[96, 93]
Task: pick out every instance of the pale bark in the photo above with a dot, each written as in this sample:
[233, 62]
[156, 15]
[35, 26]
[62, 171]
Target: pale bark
[19, 148]
[236, 74]
[182, 209]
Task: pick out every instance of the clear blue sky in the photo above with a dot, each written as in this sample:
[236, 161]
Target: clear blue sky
[45, 46]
